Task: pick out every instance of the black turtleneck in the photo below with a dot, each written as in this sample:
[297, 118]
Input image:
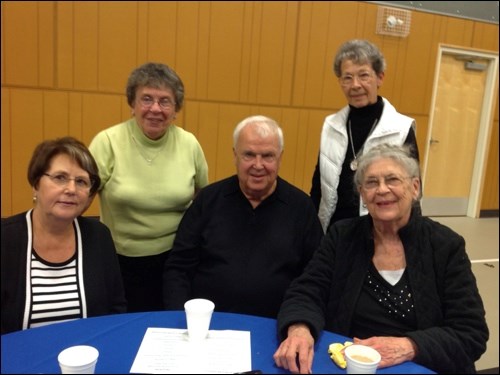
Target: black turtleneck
[362, 120]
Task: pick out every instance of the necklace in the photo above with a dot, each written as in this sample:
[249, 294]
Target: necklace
[149, 159]
[354, 162]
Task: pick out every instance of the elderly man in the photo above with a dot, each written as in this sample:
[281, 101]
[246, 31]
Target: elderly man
[244, 238]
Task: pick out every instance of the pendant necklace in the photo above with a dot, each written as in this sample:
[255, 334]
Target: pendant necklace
[354, 162]
[149, 159]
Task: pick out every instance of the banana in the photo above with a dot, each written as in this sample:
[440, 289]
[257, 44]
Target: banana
[335, 352]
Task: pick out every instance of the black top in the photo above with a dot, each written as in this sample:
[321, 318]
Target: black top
[449, 328]
[241, 258]
[383, 307]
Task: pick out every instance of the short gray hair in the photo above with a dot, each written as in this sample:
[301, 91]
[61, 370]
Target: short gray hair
[400, 154]
[360, 51]
[265, 126]
[158, 76]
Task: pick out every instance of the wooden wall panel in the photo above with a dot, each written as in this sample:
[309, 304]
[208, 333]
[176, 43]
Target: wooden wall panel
[275, 53]
[6, 142]
[204, 119]
[313, 54]
[485, 36]
[100, 111]
[196, 81]
[86, 43]
[341, 26]
[456, 31]
[162, 32]
[394, 50]
[2, 36]
[310, 65]
[117, 50]
[93, 209]
[21, 43]
[75, 114]
[367, 23]
[70, 61]
[309, 130]
[311, 137]
[46, 43]
[490, 185]
[490, 192]
[142, 33]
[225, 44]
[302, 130]
[418, 76]
[187, 46]
[288, 120]
[250, 52]
[26, 133]
[55, 114]
[65, 46]
[322, 27]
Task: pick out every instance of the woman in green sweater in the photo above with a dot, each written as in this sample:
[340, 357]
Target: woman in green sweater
[150, 170]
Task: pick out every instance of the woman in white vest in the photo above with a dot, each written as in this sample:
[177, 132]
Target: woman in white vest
[366, 121]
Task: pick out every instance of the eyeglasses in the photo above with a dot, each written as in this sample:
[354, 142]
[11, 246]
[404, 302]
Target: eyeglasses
[348, 79]
[251, 156]
[390, 181]
[81, 183]
[164, 103]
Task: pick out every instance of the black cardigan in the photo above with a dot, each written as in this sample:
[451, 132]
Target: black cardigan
[101, 271]
[451, 332]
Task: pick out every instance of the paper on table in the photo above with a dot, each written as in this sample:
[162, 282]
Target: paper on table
[167, 350]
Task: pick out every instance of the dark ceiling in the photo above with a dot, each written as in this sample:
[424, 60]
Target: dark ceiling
[486, 11]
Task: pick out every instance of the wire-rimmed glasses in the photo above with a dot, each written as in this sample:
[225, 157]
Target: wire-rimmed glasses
[164, 103]
[61, 179]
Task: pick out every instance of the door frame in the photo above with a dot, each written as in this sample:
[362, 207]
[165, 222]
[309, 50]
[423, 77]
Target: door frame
[485, 124]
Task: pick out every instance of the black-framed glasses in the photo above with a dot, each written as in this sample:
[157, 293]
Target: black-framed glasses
[164, 103]
[61, 179]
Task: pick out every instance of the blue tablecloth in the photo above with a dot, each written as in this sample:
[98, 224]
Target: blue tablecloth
[118, 337]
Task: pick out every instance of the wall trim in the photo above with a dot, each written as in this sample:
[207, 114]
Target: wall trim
[488, 213]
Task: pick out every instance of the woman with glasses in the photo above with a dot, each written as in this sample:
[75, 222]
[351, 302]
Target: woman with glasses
[150, 171]
[393, 280]
[366, 121]
[56, 264]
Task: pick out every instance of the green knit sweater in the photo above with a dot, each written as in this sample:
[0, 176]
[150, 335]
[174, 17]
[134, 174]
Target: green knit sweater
[146, 184]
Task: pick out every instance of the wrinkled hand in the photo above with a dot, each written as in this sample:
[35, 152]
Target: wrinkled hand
[394, 350]
[296, 352]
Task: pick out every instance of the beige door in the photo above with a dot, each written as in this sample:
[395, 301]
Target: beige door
[454, 131]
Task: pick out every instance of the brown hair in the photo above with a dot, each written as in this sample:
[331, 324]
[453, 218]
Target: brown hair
[47, 150]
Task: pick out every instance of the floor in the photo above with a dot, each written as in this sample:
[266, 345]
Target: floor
[481, 238]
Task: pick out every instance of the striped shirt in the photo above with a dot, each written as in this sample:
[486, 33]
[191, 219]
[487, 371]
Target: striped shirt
[55, 292]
